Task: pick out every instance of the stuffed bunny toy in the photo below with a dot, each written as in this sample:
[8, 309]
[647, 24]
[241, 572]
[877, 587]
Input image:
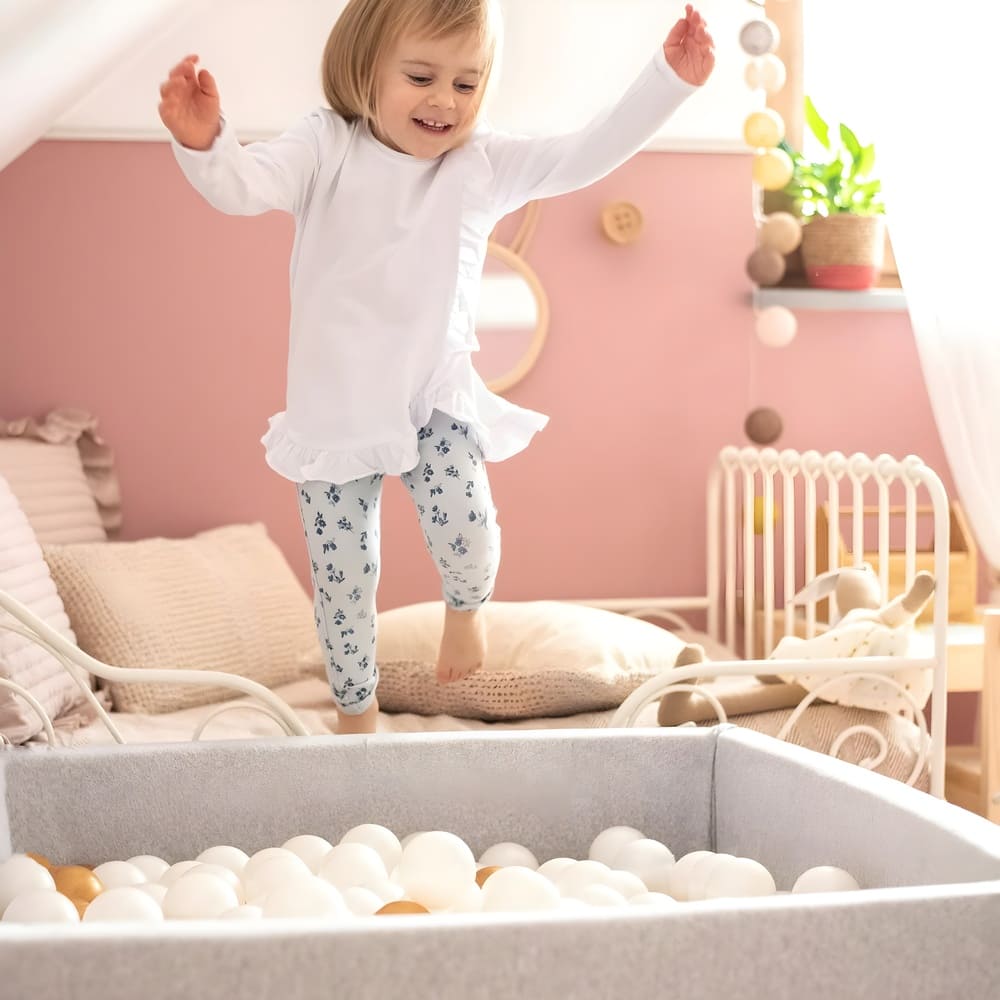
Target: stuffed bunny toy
[867, 627]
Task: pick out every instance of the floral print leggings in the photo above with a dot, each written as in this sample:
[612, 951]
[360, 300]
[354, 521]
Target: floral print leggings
[451, 492]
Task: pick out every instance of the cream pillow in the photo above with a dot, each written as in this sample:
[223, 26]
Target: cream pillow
[225, 599]
[24, 575]
[544, 658]
[51, 486]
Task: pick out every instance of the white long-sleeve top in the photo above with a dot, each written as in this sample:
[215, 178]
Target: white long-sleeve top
[386, 266]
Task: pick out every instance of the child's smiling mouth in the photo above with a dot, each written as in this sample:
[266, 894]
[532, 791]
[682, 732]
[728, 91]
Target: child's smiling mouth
[428, 124]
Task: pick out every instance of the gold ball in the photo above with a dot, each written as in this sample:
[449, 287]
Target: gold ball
[781, 231]
[39, 859]
[772, 169]
[484, 873]
[765, 266]
[81, 906]
[77, 882]
[764, 128]
[401, 906]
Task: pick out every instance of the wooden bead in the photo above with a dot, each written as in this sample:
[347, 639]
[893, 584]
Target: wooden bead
[763, 425]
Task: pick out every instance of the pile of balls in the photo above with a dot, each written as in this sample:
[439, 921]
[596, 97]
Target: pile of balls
[370, 872]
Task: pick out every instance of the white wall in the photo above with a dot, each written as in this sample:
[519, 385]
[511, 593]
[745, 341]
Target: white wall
[564, 60]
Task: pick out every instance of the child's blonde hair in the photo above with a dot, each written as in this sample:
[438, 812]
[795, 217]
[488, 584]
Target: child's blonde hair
[367, 30]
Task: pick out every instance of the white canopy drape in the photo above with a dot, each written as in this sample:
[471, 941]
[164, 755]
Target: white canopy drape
[929, 73]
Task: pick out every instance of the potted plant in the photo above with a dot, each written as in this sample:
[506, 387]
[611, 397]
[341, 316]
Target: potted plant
[843, 227]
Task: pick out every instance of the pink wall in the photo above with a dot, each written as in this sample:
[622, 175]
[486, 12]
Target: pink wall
[123, 293]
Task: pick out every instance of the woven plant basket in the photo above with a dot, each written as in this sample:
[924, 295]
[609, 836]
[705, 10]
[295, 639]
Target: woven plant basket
[843, 251]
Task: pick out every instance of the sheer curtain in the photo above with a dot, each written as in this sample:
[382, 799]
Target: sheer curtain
[921, 81]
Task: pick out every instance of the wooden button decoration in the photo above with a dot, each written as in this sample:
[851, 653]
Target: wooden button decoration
[621, 222]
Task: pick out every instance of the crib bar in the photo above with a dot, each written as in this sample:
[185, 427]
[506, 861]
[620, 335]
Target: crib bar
[749, 568]
[788, 545]
[857, 520]
[768, 526]
[833, 552]
[712, 543]
[809, 524]
[910, 557]
[883, 537]
[731, 558]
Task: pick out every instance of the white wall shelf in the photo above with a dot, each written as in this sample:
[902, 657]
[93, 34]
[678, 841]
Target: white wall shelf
[872, 300]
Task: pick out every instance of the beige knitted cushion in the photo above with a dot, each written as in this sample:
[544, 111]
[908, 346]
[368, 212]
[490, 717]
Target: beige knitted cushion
[225, 599]
[544, 658]
[25, 577]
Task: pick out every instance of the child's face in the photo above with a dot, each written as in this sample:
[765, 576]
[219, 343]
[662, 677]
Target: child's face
[428, 93]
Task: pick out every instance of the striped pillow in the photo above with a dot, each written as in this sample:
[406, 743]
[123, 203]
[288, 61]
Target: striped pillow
[25, 575]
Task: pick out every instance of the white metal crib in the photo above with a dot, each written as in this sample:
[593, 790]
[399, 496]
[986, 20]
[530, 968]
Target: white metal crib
[754, 570]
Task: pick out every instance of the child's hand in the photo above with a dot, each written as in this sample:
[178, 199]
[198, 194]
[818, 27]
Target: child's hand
[189, 105]
[689, 48]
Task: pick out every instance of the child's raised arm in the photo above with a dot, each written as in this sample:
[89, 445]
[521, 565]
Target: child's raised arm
[529, 168]
[239, 180]
[189, 105]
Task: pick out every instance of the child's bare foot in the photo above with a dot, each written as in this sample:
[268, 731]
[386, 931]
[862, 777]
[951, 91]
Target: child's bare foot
[363, 723]
[463, 644]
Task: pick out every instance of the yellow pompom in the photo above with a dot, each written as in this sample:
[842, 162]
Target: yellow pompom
[764, 128]
[772, 169]
[758, 515]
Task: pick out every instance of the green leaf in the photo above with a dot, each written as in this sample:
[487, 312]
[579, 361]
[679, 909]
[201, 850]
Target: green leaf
[850, 140]
[867, 161]
[817, 126]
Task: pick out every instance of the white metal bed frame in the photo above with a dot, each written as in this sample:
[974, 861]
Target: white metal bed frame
[742, 576]
[732, 559]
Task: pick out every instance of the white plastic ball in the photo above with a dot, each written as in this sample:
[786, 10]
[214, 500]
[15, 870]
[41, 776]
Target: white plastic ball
[776, 326]
[150, 865]
[825, 878]
[309, 848]
[362, 902]
[127, 904]
[115, 874]
[701, 872]
[409, 838]
[739, 877]
[766, 72]
[600, 895]
[19, 874]
[470, 900]
[154, 890]
[553, 866]
[312, 898]
[610, 841]
[226, 875]
[652, 899]
[270, 872]
[175, 871]
[245, 912]
[353, 864]
[229, 857]
[649, 860]
[378, 838]
[759, 36]
[197, 897]
[681, 871]
[626, 883]
[570, 881]
[515, 889]
[435, 869]
[40, 906]
[507, 855]
[388, 890]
